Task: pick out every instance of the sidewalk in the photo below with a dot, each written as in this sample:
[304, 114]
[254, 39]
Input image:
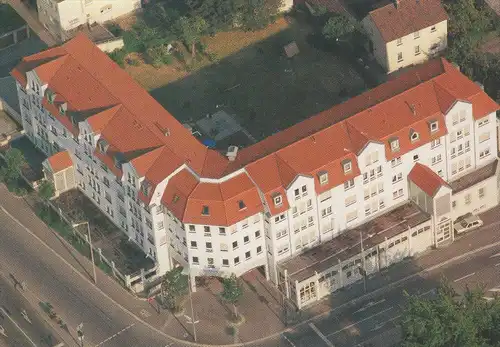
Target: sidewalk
[261, 304]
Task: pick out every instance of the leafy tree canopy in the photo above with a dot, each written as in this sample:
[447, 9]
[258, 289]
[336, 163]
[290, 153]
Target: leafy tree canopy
[174, 286]
[338, 27]
[14, 160]
[46, 190]
[451, 320]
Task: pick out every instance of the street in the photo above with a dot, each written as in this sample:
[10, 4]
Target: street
[121, 319]
[375, 322]
[19, 331]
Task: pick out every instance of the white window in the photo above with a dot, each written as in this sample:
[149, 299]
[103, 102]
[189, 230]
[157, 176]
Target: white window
[416, 157]
[484, 137]
[326, 211]
[281, 233]
[394, 145]
[397, 194]
[417, 50]
[349, 217]
[462, 115]
[397, 178]
[433, 28]
[455, 119]
[414, 136]
[416, 34]
[434, 125]
[468, 163]
[323, 178]
[279, 218]
[400, 57]
[435, 143]
[484, 153]
[453, 152]
[347, 166]
[481, 193]
[483, 122]
[350, 200]
[466, 131]
[467, 199]
[278, 200]
[396, 161]
[348, 184]
[399, 41]
[454, 168]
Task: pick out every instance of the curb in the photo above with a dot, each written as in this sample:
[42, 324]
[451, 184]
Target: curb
[277, 334]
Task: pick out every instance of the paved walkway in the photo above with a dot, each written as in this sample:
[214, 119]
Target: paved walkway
[31, 19]
[261, 304]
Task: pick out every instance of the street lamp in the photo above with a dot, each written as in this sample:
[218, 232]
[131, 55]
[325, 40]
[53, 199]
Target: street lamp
[186, 271]
[91, 248]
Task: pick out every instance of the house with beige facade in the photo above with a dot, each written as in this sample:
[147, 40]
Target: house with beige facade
[349, 191]
[60, 17]
[406, 32]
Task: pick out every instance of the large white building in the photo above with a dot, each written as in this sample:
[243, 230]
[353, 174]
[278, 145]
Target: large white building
[365, 183]
[62, 16]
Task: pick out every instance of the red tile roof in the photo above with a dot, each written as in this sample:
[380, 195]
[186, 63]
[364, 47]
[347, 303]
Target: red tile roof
[60, 161]
[156, 144]
[426, 179]
[395, 21]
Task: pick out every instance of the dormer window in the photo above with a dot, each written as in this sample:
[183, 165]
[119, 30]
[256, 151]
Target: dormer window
[51, 96]
[323, 177]
[63, 108]
[146, 188]
[241, 205]
[118, 159]
[103, 146]
[394, 144]
[347, 166]
[278, 200]
[414, 136]
[434, 126]
[205, 211]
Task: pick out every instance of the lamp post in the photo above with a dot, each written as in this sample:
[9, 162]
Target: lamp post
[193, 321]
[91, 248]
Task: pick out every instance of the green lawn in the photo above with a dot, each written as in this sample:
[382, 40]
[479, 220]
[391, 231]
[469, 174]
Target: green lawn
[266, 90]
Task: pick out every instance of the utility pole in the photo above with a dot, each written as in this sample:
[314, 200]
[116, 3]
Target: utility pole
[91, 248]
[362, 269]
[79, 333]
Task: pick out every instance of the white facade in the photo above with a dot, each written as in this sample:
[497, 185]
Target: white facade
[59, 16]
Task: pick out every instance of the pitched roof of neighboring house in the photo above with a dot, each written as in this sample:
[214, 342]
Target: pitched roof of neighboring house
[426, 179]
[139, 131]
[403, 17]
[60, 161]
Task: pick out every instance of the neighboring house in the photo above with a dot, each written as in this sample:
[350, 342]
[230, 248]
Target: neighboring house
[60, 17]
[406, 32]
[13, 29]
[361, 185]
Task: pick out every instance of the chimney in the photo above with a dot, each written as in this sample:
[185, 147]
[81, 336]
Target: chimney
[232, 151]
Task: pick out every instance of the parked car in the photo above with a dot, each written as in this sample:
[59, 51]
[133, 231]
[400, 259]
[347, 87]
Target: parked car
[467, 223]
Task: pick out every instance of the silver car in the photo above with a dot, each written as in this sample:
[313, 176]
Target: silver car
[467, 223]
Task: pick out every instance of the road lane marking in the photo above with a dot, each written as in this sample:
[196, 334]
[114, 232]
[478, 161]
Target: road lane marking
[498, 264]
[320, 334]
[495, 255]
[288, 340]
[431, 291]
[464, 277]
[360, 321]
[115, 335]
[18, 327]
[368, 305]
[382, 324]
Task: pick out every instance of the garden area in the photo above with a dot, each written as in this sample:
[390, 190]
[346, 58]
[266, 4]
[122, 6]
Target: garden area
[115, 246]
[253, 77]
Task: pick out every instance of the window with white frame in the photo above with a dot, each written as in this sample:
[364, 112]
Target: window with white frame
[454, 168]
[481, 193]
[455, 118]
[468, 162]
[414, 136]
[347, 165]
[397, 194]
[462, 115]
[436, 159]
[279, 218]
[371, 158]
[399, 41]
[394, 145]
[351, 216]
[484, 137]
[281, 233]
[467, 199]
[483, 122]
[416, 34]
[400, 57]
[435, 143]
[417, 50]
[397, 178]
[323, 178]
[484, 154]
[348, 184]
[278, 200]
[350, 200]
[416, 157]
[396, 161]
[326, 212]
[434, 126]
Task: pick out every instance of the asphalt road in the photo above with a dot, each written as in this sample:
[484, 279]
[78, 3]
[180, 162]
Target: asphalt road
[51, 280]
[375, 323]
[17, 330]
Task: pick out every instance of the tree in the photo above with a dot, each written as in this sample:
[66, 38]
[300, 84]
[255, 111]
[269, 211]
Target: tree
[257, 14]
[46, 190]
[451, 320]
[190, 30]
[174, 286]
[337, 27]
[232, 292]
[467, 16]
[14, 161]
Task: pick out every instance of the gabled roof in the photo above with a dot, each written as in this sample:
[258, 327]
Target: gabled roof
[426, 179]
[403, 17]
[60, 161]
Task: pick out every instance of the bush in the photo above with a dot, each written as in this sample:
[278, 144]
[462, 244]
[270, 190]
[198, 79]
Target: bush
[131, 42]
[201, 47]
[213, 57]
[118, 56]
[159, 55]
[115, 29]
